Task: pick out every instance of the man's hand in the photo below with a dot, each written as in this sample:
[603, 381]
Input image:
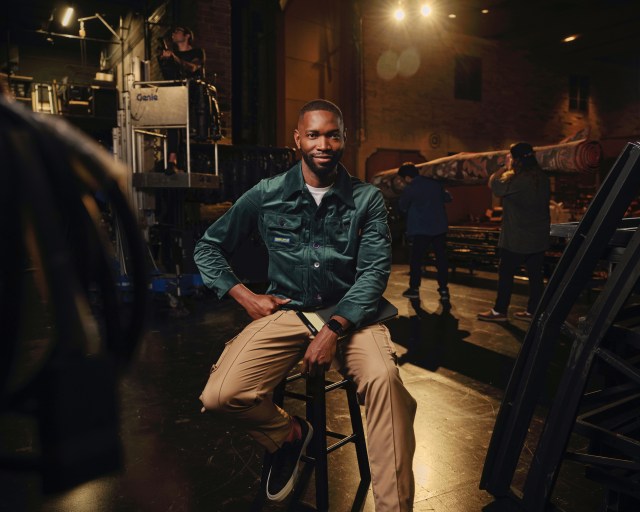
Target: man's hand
[257, 306]
[496, 176]
[320, 352]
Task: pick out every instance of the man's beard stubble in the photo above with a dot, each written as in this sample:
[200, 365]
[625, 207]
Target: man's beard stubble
[325, 170]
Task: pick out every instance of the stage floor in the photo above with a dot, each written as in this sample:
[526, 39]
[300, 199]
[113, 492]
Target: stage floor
[177, 459]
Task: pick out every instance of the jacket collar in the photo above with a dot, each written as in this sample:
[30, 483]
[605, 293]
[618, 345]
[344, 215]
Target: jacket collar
[342, 188]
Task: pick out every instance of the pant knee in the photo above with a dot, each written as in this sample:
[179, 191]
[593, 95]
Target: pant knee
[228, 403]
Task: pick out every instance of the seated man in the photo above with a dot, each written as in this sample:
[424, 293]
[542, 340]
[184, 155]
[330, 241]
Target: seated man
[328, 243]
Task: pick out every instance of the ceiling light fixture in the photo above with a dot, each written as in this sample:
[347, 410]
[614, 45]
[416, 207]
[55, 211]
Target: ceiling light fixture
[399, 14]
[485, 11]
[425, 10]
[452, 15]
[569, 39]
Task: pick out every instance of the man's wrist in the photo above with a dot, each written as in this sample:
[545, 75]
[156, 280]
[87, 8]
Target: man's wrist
[335, 326]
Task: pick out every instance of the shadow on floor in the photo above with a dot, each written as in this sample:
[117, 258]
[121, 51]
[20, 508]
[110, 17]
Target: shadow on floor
[434, 340]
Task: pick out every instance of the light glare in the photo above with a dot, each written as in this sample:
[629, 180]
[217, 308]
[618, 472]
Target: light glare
[67, 16]
[485, 11]
[399, 14]
[425, 10]
[452, 15]
[568, 39]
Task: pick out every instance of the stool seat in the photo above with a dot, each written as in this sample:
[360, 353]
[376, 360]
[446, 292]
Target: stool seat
[315, 459]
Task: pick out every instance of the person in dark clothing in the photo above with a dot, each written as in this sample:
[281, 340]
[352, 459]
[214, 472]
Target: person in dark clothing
[180, 61]
[524, 236]
[423, 200]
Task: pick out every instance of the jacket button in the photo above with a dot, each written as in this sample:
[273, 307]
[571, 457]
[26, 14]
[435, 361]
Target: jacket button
[316, 245]
[316, 264]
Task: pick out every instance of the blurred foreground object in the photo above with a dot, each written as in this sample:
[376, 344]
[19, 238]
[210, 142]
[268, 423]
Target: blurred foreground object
[66, 330]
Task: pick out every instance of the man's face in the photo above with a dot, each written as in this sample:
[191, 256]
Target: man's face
[178, 36]
[320, 137]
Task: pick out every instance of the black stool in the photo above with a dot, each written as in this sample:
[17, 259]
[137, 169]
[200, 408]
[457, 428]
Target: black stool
[317, 450]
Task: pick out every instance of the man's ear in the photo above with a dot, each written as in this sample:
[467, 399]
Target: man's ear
[344, 134]
[296, 137]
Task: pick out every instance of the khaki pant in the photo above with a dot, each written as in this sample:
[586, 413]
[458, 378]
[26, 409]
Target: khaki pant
[254, 362]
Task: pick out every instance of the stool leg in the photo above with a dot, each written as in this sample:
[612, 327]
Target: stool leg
[358, 430]
[317, 412]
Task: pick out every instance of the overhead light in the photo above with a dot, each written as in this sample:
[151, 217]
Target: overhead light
[452, 15]
[568, 39]
[485, 11]
[399, 14]
[425, 9]
[82, 32]
[68, 14]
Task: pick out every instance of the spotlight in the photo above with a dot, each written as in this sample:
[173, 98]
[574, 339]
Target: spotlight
[425, 9]
[568, 39]
[399, 14]
[452, 15]
[82, 32]
[68, 14]
[485, 11]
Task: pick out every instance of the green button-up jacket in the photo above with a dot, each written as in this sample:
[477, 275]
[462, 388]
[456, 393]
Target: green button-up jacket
[336, 253]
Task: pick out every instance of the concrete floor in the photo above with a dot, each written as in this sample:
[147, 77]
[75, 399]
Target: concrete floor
[177, 459]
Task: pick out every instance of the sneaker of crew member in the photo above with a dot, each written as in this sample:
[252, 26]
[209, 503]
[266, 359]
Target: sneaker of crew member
[285, 463]
[444, 294]
[411, 293]
[492, 316]
[523, 315]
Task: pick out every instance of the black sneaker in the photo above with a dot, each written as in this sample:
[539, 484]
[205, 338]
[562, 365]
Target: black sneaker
[444, 294]
[411, 293]
[285, 463]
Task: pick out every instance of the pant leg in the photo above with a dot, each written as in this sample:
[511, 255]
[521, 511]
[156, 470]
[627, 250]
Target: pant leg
[439, 243]
[509, 262]
[241, 383]
[535, 272]
[368, 357]
[418, 248]
[173, 135]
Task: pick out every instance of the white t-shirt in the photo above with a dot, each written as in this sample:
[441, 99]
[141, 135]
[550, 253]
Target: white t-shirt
[318, 193]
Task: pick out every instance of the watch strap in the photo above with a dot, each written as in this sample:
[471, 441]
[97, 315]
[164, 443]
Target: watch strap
[335, 326]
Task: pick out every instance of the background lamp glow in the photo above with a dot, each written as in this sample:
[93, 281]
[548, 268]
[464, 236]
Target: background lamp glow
[399, 14]
[67, 16]
[425, 10]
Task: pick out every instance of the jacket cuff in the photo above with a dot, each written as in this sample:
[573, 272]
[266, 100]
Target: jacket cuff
[352, 312]
[224, 283]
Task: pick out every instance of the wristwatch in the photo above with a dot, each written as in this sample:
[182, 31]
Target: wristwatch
[335, 326]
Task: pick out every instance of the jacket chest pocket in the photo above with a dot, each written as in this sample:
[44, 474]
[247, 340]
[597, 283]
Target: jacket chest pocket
[337, 232]
[283, 232]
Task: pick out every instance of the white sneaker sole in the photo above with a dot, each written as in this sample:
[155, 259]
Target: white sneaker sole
[289, 486]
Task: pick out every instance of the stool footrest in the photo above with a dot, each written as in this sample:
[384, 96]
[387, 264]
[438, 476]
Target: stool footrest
[342, 442]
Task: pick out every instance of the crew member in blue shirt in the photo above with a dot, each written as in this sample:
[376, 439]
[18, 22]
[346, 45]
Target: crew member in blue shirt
[423, 200]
